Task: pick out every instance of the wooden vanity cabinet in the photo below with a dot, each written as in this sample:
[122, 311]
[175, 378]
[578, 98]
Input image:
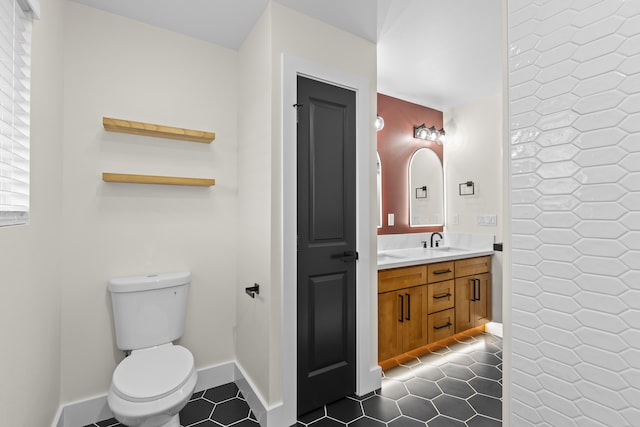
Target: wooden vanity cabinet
[422, 304]
[402, 310]
[473, 292]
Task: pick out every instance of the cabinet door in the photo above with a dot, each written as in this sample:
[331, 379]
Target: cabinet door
[482, 304]
[415, 318]
[390, 322]
[464, 308]
[473, 301]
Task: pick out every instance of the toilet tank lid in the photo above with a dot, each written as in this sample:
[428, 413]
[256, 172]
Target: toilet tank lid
[149, 281]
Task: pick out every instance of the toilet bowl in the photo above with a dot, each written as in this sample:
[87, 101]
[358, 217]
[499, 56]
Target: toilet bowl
[151, 386]
[155, 381]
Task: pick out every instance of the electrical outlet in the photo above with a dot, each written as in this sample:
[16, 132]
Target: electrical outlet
[490, 220]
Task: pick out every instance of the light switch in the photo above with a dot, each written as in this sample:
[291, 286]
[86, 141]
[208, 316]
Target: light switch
[390, 220]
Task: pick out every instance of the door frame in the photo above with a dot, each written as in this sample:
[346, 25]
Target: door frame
[368, 373]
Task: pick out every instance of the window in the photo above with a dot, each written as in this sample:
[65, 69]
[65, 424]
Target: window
[15, 70]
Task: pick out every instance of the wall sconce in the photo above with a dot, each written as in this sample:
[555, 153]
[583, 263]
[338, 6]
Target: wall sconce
[429, 134]
[379, 123]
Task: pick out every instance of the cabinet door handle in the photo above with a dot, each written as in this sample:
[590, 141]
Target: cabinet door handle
[473, 281]
[448, 270]
[408, 307]
[442, 296]
[479, 283]
[401, 319]
[446, 325]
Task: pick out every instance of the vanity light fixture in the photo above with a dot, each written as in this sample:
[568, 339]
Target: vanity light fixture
[379, 123]
[421, 132]
[429, 134]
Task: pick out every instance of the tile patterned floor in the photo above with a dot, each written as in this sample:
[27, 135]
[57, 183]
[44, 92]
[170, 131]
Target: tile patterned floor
[457, 386]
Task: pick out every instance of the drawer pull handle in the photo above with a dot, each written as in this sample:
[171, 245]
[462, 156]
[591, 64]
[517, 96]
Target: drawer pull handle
[446, 325]
[408, 317]
[448, 270]
[442, 296]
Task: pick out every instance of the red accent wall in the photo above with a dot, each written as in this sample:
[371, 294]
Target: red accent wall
[396, 145]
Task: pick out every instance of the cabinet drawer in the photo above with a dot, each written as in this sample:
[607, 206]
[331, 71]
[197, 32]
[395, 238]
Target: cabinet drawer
[471, 266]
[439, 271]
[404, 277]
[441, 324]
[440, 296]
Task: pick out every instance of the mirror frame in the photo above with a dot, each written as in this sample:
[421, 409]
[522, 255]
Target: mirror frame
[439, 191]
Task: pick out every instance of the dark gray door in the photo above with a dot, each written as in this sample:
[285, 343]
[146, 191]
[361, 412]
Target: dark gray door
[326, 243]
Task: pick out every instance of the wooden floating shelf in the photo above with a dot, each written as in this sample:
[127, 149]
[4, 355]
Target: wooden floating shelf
[159, 131]
[151, 179]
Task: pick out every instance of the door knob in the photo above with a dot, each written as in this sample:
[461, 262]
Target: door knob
[346, 256]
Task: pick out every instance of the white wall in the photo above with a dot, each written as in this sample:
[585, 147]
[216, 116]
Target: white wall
[29, 264]
[254, 332]
[285, 31]
[121, 68]
[575, 141]
[473, 152]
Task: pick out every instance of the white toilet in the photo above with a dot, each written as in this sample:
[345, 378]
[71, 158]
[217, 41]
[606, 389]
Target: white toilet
[155, 381]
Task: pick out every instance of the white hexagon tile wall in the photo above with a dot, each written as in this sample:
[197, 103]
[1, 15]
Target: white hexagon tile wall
[574, 91]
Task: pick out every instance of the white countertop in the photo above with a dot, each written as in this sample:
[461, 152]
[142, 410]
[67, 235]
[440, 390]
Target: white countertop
[394, 258]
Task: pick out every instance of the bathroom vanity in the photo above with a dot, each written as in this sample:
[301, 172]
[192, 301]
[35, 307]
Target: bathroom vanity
[428, 294]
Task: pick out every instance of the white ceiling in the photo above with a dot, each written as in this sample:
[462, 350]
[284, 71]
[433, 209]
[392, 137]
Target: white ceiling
[437, 53]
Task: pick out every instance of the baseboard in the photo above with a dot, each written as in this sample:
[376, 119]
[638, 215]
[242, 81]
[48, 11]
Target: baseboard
[94, 409]
[252, 396]
[494, 328]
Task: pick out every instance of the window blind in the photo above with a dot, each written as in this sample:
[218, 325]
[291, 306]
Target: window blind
[15, 70]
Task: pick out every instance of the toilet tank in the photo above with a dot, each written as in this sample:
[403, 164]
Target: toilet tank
[149, 310]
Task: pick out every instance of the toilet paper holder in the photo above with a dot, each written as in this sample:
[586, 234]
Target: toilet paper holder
[252, 290]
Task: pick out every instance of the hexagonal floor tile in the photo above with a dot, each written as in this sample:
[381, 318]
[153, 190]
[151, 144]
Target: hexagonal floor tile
[345, 410]
[454, 407]
[455, 387]
[381, 408]
[393, 389]
[196, 410]
[230, 412]
[222, 393]
[423, 388]
[488, 387]
[418, 408]
[486, 371]
[459, 372]
[485, 405]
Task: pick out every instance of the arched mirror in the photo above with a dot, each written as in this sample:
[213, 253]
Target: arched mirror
[426, 189]
[379, 192]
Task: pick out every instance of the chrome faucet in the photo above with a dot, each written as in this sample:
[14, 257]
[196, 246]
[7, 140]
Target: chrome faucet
[437, 242]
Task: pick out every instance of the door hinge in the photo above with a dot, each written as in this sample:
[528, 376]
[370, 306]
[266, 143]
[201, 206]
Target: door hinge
[297, 107]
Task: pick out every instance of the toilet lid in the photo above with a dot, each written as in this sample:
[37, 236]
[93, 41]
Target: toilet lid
[153, 373]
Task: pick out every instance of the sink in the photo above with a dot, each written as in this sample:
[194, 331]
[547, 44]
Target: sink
[387, 258]
[406, 253]
[395, 255]
[448, 249]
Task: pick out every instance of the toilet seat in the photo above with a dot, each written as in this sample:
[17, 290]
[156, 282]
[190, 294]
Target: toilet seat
[153, 373]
